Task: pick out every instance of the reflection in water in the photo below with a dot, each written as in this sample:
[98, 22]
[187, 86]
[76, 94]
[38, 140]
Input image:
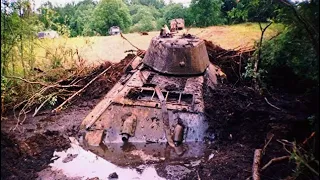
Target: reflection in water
[127, 147]
[128, 153]
[88, 165]
[131, 160]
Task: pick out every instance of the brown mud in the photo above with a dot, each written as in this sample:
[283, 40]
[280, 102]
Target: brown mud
[29, 148]
[240, 118]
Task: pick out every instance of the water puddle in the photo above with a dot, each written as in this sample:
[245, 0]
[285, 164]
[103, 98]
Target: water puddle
[85, 164]
[148, 161]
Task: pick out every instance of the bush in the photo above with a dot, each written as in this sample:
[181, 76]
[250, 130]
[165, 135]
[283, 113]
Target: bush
[147, 23]
[290, 61]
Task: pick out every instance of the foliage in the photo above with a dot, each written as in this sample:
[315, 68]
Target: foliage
[307, 164]
[287, 63]
[142, 12]
[147, 23]
[173, 11]
[110, 13]
[227, 6]
[290, 60]
[50, 18]
[158, 4]
[206, 12]
[82, 18]
[253, 11]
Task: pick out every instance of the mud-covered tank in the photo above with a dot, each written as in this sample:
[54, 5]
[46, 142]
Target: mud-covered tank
[157, 107]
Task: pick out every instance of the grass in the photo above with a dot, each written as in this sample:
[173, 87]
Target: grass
[111, 48]
[240, 35]
[56, 56]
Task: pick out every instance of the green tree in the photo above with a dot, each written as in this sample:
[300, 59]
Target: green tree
[227, 6]
[253, 10]
[143, 11]
[19, 26]
[206, 12]
[111, 13]
[158, 4]
[144, 20]
[52, 20]
[83, 17]
[173, 11]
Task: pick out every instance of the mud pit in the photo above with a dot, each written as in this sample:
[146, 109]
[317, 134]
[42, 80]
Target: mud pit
[239, 117]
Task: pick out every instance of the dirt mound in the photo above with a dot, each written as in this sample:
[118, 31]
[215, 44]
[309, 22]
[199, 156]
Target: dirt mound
[241, 119]
[102, 85]
[232, 62]
[23, 159]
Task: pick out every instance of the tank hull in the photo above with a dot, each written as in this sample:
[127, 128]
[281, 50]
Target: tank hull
[130, 119]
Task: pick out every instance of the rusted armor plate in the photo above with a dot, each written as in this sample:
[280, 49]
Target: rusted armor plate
[177, 55]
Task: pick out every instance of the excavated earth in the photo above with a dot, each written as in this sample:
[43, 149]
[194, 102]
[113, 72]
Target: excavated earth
[240, 118]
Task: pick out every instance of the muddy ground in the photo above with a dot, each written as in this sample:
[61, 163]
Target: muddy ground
[239, 116]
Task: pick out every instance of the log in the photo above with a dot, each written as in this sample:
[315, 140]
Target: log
[256, 164]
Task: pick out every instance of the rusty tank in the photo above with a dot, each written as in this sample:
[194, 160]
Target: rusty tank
[157, 108]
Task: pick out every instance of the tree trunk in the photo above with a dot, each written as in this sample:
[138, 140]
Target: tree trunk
[21, 46]
[257, 61]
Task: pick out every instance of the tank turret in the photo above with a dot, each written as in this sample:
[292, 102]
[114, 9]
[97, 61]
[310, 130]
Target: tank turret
[177, 55]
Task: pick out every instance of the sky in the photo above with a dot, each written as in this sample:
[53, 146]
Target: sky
[62, 2]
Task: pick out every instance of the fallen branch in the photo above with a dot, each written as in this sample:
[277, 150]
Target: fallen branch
[43, 84]
[306, 140]
[78, 92]
[27, 81]
[272, 104]
[198, 175]
[265, 146]
[256, 164]
[42, 104]
[273, 161]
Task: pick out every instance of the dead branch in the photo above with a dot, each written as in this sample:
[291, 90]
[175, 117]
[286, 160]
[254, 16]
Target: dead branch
[306, 140]
[256, 164]
[198, 175]
[42, 104]
[27, 81]
[257, 61]
[43, 84]
[278, 159]
[272, 104]
[129, 41]
[78, 92]
[265, 146]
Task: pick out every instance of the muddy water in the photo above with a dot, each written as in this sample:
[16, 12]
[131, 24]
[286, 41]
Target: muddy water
[138, 162]
[79, 163]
